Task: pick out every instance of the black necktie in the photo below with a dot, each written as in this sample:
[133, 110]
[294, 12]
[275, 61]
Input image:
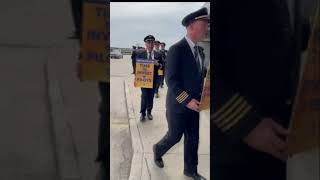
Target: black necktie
[149, 56]
[196, 55]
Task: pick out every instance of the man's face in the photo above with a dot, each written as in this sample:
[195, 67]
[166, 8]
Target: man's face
[162, 46]
[156, 46]
[200, 29]
[149, 45]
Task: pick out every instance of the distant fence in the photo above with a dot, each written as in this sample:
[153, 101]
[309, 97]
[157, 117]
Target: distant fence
[124, 51]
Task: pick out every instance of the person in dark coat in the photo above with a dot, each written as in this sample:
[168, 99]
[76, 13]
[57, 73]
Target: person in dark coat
[164, 54]
[252, 91]
[184, 77]
[103, 157]
[76, 7]
[160, 77]
[147, 94]
[133, 59]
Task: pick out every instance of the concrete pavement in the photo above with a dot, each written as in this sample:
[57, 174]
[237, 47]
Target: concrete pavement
[120, 141]
[304, 165]
[78, 118]
[144, 135]
[27, 151]
[27, 142]
[35, 23]
[49, 120]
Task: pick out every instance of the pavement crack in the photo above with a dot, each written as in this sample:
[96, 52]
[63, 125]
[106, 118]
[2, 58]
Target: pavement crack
[73, 144]
[127, 156]
[148, 169]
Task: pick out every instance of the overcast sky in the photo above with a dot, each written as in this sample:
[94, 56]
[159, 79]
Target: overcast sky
[130, 22]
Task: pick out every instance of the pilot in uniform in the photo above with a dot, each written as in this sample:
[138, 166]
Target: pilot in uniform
[160, 77]
[254, 82]
[147, 94]
[164, 55]
[184, 76]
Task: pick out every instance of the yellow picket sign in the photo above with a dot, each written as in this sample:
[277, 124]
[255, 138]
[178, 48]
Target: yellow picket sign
[205, 97]
[305, 119]
[144, 73]
[94, 56]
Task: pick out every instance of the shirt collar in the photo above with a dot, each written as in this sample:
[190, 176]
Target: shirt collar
[190, 42]
[149, 52]
[152, 54]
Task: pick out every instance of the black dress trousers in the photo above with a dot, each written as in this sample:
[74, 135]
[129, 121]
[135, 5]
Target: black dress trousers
[147, 95]
[179, 124]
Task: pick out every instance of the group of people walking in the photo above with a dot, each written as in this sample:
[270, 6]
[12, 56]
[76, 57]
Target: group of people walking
[184, 71]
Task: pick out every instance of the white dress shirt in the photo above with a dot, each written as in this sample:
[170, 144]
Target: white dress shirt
[152, 54]
[192, 44]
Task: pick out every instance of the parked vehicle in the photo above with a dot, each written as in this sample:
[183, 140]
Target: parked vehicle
[116, 54]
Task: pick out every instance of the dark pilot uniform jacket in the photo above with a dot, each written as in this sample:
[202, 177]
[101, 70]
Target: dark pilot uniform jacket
[164, 54]
[253, 74]
[182, 77]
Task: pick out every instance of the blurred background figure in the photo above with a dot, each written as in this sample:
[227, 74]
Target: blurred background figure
[104, 110]
[133, 58]
[76, 6]
[160, 76]
[164, 55]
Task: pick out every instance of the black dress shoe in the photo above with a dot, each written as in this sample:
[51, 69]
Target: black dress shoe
[150, 117]
[157, 161]
[142, 117]
[194, 176]
[157, 95]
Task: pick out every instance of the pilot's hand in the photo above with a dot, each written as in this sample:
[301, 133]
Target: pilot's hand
[194, 105]
[156, 62]
[266, 137]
